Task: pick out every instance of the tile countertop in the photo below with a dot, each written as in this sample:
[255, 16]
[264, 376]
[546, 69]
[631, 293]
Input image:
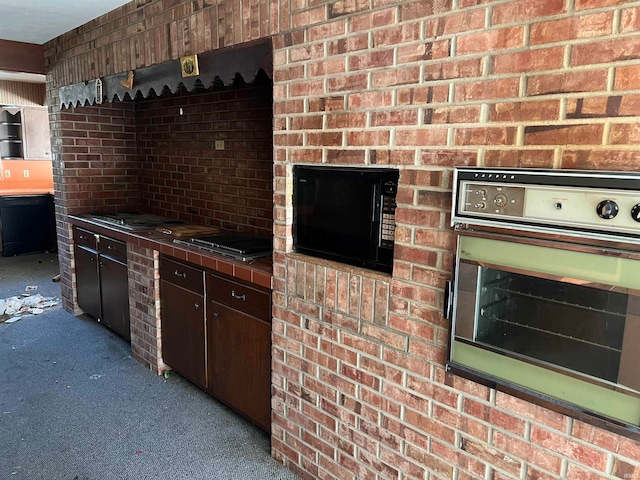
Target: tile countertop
[257, 272]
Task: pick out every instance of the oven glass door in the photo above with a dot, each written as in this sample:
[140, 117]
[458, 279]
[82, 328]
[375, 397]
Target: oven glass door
[561, 323]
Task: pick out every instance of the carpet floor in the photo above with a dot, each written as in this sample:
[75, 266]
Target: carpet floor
[74, 405]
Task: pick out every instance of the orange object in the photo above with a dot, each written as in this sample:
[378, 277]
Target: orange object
[21, 177]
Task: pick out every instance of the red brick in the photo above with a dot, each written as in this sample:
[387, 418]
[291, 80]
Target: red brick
[415, 52]
[627, 77]
[528, 61]
[394, 118]
[453, 69]
[385, 336]
[344, 7]
[370, 100]
[420, 95]
[372, 20]
[585, 26]
[624, 134]
[531, 411]
[487, 89]
[368, 138]
[526, 111]
[432, 178]
[392, 157]
[605, 51]
[421, 137]
[306, 88]
[493, 457]
[519, 158]
[308, 17]
[490, 41]
[462, 460]
[332, 29]
[346, 120]
[571, 82]
[375, 59]
[630, 20]
[346, 157]
[429, 218]
[431, 462]
[600, 160]
[450, 158]
[523, 10]
[356, 81]
[584, 454]
[429, 426]
[588, 4]
[448, 115]
[456, 23]
[349, 44]
[396, 35]
[324, 138]
[395, 76]
[579, 473]
[326, 67]
[564, 135]
[419, 9]
[485, 136]
[629, 448]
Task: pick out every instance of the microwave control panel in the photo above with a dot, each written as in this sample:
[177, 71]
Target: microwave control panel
[388, 215]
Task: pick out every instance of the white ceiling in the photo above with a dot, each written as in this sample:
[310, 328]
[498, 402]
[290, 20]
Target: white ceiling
[38, 21]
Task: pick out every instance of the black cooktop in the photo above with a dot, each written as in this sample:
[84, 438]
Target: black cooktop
[240, 246]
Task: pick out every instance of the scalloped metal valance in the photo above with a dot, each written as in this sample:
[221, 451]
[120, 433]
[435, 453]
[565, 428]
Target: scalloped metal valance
[214, 67]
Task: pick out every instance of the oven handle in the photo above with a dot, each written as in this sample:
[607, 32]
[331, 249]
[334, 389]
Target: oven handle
[448, 300]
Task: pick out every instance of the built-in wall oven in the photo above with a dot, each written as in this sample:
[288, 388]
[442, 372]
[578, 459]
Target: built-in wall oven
[545, 295]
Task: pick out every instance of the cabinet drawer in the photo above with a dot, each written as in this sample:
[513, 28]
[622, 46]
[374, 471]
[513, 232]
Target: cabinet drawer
[239, 296]
[113, 248]
[182, 275]
[84, 238]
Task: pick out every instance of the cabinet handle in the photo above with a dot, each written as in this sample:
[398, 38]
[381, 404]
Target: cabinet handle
[216, 314]
[238, 297]
[109, 247]
[82, 237]
[180, 274]
[196, 305]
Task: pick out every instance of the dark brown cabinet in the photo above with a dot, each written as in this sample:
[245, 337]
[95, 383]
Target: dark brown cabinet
[102, 279]
[223, 345]
[239, 339]
[183, 320]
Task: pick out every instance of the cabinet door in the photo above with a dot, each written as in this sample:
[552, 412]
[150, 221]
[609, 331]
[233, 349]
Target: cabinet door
[183, 337]
[240, 362]
[114, 289]
[88, 281]
[36, 137]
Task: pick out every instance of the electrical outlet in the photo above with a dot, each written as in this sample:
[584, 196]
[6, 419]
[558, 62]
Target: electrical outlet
[7, 174]
[25, 173]
[219, 144]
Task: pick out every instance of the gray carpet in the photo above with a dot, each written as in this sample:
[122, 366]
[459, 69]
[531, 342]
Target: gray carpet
[74, 405]
[32, 270]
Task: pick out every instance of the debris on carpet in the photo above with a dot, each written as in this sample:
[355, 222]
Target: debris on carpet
[13, 309]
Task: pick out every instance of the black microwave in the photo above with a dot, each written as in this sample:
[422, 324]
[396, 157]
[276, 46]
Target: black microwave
[346, 214]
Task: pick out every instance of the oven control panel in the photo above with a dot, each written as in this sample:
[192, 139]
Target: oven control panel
[565, 206]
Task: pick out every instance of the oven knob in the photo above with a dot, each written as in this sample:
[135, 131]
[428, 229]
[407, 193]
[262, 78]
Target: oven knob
[607, 209]
[500, 200]
[635, 212]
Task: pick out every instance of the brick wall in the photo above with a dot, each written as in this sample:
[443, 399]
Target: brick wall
[422, 86]
[183, 174]
[94, 169]
[144, 306]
